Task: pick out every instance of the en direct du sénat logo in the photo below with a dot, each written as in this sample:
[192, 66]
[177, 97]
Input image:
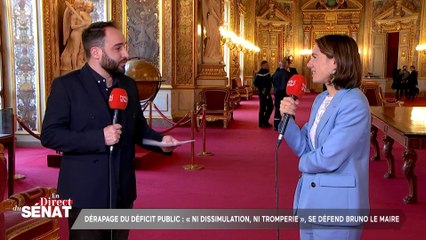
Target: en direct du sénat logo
[47, 207]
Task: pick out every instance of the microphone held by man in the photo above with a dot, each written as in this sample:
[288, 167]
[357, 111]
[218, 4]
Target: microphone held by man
[295, 89]
[117, 101]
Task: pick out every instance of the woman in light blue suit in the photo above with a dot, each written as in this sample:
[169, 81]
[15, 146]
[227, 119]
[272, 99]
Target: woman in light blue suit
[334, 145]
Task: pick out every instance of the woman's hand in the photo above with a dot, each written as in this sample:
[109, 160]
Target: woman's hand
[288, 106]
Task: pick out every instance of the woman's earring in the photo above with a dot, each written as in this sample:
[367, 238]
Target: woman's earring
[332, 77]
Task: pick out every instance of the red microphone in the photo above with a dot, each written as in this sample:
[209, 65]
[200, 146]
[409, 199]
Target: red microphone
[117, 101]
[295, 88]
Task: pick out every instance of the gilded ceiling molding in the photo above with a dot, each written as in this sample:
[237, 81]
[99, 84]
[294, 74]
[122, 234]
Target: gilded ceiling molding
[340, 17]
[316, 12]
[395, 17]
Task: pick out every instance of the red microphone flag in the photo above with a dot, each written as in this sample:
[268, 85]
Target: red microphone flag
[118, 99]
[296, 86]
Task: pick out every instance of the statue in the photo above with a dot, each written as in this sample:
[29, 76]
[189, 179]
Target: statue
[76, 19]
[212, 22]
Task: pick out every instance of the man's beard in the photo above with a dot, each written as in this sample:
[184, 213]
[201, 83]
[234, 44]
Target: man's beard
[110, 65]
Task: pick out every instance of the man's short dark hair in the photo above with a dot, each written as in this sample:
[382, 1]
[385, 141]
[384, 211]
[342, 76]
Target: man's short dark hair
[263, 62]
[94, 35]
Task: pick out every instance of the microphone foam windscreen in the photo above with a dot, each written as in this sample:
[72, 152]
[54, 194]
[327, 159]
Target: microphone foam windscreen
[296, 85]
[118, 99]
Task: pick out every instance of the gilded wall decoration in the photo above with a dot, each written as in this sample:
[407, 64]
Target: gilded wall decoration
[331, 4]
[118, 12]
[391, 16]
[320, 18]
[184, 43]
[340, 17]
[381, 6]
[261, 6]
[235, 64]
[24, 44]
[234, 55]
[51, 43]
[274, 31]
[167, 41]
[143, 30]
[399, 16]
[249, 30]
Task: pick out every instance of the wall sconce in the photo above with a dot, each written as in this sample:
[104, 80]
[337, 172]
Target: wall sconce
[305, 53]
[421, 48]
[234, 42]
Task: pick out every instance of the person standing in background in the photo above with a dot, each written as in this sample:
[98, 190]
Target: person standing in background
[290, 69]
[263, 83]
[396, 82]
[279, 80]
[78, 123]
[334, 145]
[404, 74]
[412, 83]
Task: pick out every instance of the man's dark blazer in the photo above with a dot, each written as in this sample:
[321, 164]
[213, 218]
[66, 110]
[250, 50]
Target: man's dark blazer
[75, 117]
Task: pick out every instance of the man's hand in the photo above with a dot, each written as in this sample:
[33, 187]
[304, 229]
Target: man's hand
[169, 139]
[112, 134]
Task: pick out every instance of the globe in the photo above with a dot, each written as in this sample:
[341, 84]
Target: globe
[147, 77]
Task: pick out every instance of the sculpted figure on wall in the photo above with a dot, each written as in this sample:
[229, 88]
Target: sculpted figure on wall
[143, 30]
[212, 22]
[76, 19]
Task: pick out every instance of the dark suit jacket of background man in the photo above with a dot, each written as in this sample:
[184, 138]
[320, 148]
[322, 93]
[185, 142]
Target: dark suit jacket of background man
[73, 124]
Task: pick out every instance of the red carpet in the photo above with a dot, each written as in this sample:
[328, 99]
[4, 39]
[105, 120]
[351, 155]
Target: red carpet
[239, 175]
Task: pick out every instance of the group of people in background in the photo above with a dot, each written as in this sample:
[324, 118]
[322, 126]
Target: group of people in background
[405, 82]
[264, 81]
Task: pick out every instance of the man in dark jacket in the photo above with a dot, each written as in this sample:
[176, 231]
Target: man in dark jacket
[412, 83]
[290, 69]
[279, 80]
[78, 123]
[263, 83]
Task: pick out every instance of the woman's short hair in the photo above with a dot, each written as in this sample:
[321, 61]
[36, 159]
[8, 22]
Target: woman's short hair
[344, 50]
